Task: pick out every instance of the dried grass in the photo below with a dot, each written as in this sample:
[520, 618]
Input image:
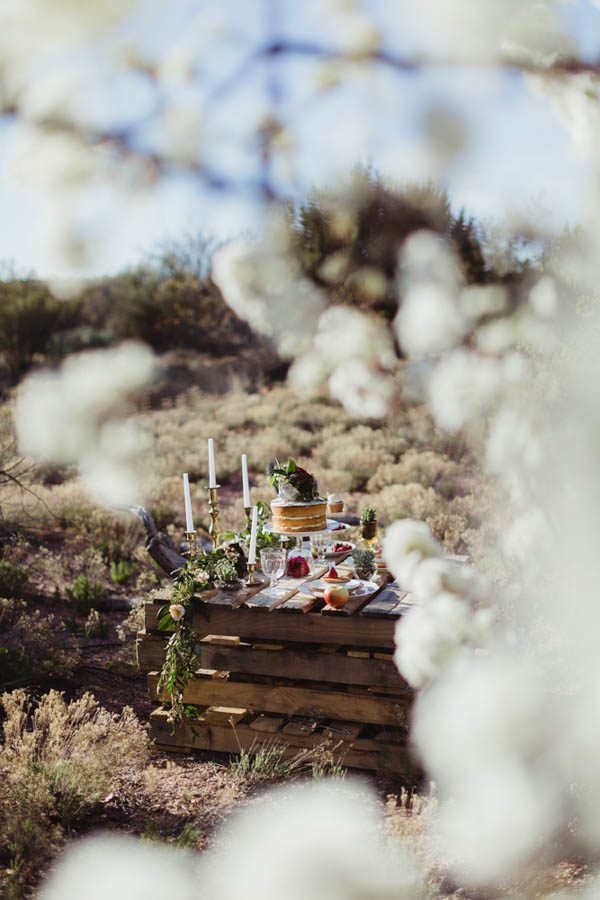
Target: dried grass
[57, 761]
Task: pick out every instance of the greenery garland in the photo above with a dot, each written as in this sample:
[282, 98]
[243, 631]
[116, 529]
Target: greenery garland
[225, 564]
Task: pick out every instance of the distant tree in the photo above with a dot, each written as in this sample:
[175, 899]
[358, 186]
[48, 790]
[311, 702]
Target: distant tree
[348, 240]
[466, 239]
[29, 316]
[169, 302]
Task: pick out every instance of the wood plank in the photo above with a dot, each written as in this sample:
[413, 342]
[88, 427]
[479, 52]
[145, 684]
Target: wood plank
[353, 605]
[300, 603]
[233, 599]
[222, 640]
[267, 724]
[347, 731]
[287, 588]
[298, 725]
[224, 715]
[150, 651]
[311, 664]
[267, 602]
[385, 603]
[360, 754]
[313, 628]
[289, 700]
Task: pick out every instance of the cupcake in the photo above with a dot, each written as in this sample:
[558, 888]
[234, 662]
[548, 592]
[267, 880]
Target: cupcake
[335, 504]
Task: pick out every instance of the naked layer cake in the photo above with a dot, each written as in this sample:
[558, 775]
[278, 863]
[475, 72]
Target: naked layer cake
[298, 508]
[296, 517]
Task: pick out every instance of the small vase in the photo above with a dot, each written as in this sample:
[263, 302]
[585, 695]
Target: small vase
[229, 585]
[368, 531]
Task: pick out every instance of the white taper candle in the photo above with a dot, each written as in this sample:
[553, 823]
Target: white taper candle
[245, 481]
[212, 475]
[187, 499]
[253, 532]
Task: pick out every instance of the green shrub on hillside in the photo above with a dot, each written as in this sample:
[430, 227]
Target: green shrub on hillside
[29, 318]
[13, 579]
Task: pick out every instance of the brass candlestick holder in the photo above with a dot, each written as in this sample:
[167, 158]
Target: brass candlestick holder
[252, 576]
[248, 511]
[190, 537]
[214, 529]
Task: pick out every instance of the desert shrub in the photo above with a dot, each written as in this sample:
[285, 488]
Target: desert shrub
[116, 536]
[29, 316]
[13, 579]
[400, 501]
[56, 762]
[169, 302]
[83, 594]
[74, 576]
[359, 451]
[34, 648]
[121, 571]
[423, 467]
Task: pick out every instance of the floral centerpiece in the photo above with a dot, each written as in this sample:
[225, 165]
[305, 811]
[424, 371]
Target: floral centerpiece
[292, 482]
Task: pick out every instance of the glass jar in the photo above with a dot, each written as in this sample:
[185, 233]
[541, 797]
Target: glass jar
[299, 563]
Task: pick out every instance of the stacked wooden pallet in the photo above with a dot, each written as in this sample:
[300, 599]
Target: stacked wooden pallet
[290, 672]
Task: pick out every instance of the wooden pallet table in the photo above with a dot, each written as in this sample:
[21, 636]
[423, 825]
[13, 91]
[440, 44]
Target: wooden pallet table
[290, 672]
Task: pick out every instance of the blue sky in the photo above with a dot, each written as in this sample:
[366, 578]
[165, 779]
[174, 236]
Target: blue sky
[518, 155]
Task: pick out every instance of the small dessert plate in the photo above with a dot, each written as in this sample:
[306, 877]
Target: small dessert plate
[359, 589]
[319, 586]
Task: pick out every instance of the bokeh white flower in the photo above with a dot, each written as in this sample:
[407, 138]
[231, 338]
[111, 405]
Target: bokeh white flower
[71, 416]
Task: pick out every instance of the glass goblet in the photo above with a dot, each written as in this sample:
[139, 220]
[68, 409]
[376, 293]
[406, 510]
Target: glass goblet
[319, 542]
[273, 562]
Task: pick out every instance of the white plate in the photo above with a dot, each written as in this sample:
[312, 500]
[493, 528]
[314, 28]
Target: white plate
[319, 585]
[337, 527]
[330, 554]
[362, 589]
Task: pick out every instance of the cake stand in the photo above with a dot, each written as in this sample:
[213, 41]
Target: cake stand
[333, 527]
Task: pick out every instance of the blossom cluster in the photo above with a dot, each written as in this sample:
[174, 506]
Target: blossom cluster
[75, 416]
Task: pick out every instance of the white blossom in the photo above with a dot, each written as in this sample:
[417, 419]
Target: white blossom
[436, 575]
[363, 391]
[483, 732]
[121, 868]
[429, 320]
[405, 544]
[355, 352]
[524, 30]
[462, 387]
[333, 826]
[429, 636]
[265, 288]
[69, 416]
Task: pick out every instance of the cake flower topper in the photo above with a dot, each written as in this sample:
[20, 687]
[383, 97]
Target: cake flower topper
[292, 482]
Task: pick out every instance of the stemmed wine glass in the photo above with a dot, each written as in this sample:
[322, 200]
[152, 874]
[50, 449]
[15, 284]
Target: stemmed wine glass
[319, 542]
[273, 562]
